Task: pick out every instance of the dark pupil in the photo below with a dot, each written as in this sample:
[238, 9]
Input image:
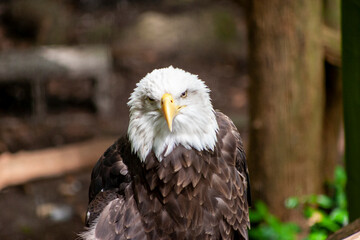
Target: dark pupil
[183, 94]
[150, 99]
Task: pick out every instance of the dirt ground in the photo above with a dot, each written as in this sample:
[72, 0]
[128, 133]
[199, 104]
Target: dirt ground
[45, 209]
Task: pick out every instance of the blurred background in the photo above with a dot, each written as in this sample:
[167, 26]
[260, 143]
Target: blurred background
[67, 68]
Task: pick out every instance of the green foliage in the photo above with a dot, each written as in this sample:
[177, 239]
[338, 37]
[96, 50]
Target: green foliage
[325, 214]
[267, 226]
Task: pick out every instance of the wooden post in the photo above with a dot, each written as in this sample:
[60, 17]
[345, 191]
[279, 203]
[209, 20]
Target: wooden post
[351, 96]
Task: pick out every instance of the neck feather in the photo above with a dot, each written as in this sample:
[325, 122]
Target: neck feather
[150, 133]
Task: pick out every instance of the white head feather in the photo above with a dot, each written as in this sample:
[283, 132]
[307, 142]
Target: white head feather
[194, 126]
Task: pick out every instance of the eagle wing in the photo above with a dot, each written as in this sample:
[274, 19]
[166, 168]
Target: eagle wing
[112, 211]
[229, 135]
[109, 175]
[241, 164]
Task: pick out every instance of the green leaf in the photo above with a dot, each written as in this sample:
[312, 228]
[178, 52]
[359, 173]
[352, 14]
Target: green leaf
[341, 199]
[340, 216]
[317, 236]
[328, 224]
[324, 201]
[292, 202]
[309, 211]
[262, 209]
[340, 176]
[255, 216]
[272, 221]
[312, 199]
[268, 226]
[259, 213]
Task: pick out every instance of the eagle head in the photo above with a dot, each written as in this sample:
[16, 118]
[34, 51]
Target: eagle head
[171, 107]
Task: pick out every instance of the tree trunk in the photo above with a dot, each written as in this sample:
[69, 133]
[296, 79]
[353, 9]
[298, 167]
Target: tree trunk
[286, 100]
[351, 96]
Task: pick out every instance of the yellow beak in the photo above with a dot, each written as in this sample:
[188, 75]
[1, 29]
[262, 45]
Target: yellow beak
[169, 108]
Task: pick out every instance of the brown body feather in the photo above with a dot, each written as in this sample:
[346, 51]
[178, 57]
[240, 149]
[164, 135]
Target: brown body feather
[189, 194]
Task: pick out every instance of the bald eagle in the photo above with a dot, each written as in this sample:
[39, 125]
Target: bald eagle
[180, 173]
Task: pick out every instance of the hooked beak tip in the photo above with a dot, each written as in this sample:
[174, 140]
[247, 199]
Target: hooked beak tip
[169, 109]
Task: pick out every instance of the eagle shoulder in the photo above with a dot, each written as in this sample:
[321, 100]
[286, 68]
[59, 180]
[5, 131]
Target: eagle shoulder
[109, 178]
[112, 210]
[227, 126]
[229, 140]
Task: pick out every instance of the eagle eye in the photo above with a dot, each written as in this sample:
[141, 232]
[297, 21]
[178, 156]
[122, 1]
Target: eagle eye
[184, 94]
[150, 99]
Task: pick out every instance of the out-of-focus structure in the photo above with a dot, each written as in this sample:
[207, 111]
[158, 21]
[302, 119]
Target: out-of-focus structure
[66, 71]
